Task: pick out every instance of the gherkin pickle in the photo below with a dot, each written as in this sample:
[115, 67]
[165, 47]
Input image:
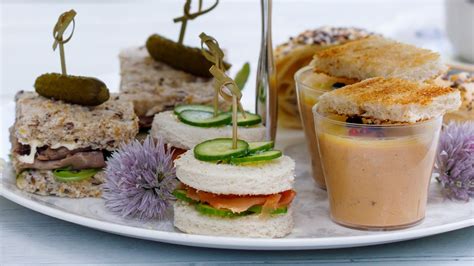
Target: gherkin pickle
[181, 57]
[80, 90]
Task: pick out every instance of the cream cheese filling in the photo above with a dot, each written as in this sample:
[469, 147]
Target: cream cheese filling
[30, 158]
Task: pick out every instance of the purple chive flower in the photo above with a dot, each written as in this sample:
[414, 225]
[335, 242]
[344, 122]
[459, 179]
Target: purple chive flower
[139, 180]
[455, 160]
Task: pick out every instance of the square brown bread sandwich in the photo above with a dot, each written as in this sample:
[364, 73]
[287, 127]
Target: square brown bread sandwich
[60, 148]
[154, 86]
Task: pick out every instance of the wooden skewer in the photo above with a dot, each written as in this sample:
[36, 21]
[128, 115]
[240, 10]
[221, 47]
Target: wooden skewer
[234, 122]
[64, 21]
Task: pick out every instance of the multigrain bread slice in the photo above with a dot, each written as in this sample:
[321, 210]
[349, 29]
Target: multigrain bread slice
[271, 177]
[154, 86]
[45, 122]
[376, 56]
[390, 100]
[42, 182]
[188, 220]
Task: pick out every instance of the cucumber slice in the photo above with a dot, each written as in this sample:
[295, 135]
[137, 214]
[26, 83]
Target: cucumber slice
[255, 147]
[281, 210]
[219, 149]
[204, 119]
[206, 209]
[195, 107]
[209, 210]
[180, 194]
[249, 120]
[263, 156]
[258, 209]
[68, 175]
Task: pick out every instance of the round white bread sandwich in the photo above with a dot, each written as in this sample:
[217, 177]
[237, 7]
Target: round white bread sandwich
[239, 200]
[179, 135]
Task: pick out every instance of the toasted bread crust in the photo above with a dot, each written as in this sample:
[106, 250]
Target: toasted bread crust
[393, 91]
[391, 100]
[376, 56]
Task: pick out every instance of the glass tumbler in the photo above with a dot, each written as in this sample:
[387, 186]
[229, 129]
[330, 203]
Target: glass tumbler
[377, 176]
[309, 86]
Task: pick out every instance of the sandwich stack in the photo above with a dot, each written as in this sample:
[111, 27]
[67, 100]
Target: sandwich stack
[60, 148]
[154, 86]
[236, 199]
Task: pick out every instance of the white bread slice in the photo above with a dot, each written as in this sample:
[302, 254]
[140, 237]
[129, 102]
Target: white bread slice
[257, 179]
[180, 135]
[190, 221]
[376, 56]
[390, 100]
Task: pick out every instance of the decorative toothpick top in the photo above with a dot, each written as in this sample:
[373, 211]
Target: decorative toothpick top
[214, 54]
[63, 22]
[190, 16]
[223, 84]
[226, 85]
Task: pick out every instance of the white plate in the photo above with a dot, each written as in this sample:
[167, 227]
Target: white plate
[313, 229]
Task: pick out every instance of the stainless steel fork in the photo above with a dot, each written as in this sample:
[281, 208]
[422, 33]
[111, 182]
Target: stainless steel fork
[266, 94]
